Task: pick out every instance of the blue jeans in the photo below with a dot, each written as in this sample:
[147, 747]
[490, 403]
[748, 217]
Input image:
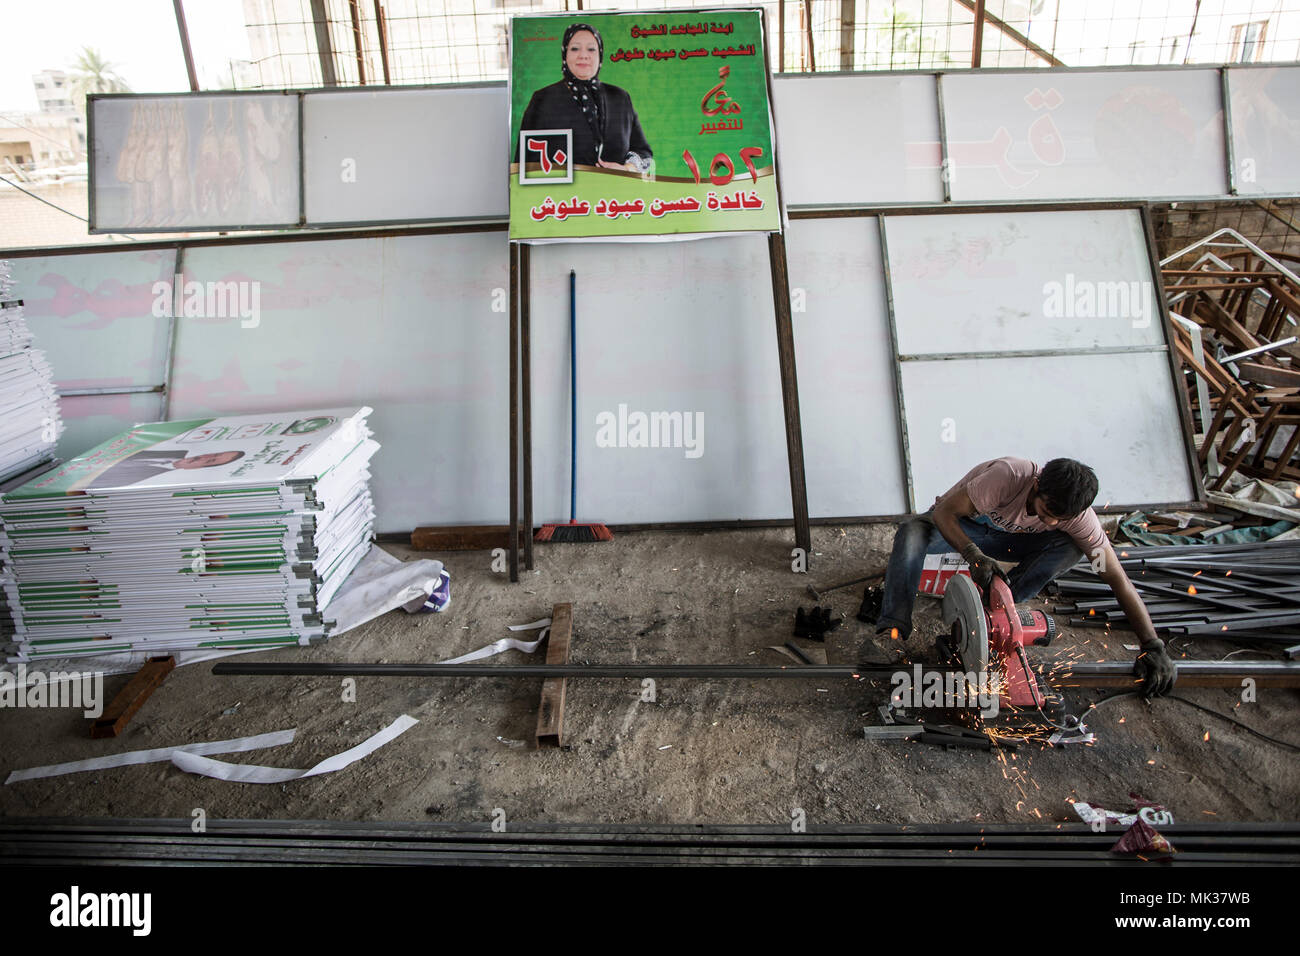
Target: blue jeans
[1041, 556]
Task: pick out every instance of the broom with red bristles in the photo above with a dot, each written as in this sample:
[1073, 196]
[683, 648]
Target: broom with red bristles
[574, 531]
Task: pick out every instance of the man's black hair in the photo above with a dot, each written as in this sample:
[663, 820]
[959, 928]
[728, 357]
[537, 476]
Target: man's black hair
[1069, 486]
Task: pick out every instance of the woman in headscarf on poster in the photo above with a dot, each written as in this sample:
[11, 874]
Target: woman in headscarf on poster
[606, 131]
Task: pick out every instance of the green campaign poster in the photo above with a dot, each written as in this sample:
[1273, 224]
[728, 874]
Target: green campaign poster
[640, 124]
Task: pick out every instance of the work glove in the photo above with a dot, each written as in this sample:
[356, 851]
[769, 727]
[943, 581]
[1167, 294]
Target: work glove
[1155, 669]
[982, 568]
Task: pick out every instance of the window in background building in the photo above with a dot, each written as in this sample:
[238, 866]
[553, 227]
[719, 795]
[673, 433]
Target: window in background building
[1248, 41]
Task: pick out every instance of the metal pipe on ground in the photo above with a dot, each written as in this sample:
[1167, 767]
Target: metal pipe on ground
[1066, 674]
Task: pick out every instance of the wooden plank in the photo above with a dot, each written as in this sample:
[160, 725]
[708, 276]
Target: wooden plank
[1284, 459]
[466, 537]
[1272, 375]
[131, 698]
[550, 713]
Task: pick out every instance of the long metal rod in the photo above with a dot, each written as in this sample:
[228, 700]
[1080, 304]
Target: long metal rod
[111, 390]
[1225, 91]
[904, 448]
[1103, 674]
[1031, 353]
[1176, 380]
[173, 327]
[513, 250]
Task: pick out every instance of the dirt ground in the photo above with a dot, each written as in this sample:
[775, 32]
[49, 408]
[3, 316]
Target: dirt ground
[717, 751]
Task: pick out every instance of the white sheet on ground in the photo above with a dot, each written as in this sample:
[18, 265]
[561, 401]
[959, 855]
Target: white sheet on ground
[248, 773]
[237, 745]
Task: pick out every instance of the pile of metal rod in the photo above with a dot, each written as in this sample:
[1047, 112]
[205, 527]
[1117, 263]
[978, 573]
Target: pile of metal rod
[1242, 592]
[320, 842]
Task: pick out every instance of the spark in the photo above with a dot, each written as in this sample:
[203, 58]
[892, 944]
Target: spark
[1190, 589]
[1197, 573]
[1206, 738]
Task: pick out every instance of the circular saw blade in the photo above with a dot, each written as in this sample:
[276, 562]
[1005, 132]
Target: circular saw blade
[961, 603]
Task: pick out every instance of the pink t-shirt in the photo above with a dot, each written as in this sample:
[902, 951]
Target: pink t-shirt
[1000, 491]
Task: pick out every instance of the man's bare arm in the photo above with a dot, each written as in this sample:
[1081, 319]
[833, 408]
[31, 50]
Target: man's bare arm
[1112, 572]
[1154, 669]
[945, 515]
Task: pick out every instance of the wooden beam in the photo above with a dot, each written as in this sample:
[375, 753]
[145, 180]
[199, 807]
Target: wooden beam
[812, 53]
[550, 712]
[185, 46]
[848, 25]
[356, 40]
[324, 46]
[1269, 374]
[382, 24]
[977, 36]
[1009, 31]
[132, 697]
[477, 537]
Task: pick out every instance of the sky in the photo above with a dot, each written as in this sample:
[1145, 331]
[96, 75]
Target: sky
[138, 36]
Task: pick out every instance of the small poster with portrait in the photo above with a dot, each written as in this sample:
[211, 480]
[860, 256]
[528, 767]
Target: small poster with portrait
[641, 125]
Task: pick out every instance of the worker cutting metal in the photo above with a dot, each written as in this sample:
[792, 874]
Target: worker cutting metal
[1010, 509]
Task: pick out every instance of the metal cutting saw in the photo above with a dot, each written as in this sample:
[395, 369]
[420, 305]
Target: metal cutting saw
[990, 637]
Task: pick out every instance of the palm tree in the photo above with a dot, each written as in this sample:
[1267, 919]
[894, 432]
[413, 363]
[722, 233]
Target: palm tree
[91, 73]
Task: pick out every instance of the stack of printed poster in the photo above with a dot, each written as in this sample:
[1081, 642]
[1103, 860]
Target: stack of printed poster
[30, 423]
[216, 533]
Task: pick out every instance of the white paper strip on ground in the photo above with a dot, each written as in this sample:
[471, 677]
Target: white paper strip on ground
[245, 773]
[507, 643]
[131, 758]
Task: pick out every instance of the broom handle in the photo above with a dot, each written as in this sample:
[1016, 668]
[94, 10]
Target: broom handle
[573, 396]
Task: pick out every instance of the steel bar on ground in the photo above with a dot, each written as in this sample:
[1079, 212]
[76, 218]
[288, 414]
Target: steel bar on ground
[164, 842]
[1095, 674]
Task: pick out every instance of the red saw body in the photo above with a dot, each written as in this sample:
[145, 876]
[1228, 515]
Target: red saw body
[993, 637]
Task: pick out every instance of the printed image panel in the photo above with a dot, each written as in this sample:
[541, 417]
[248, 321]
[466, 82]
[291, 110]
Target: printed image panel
[174, 163]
